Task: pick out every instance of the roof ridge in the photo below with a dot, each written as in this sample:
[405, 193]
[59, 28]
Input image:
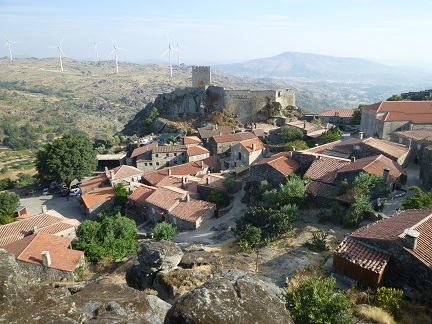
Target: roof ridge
[422, 221]
[35, 235]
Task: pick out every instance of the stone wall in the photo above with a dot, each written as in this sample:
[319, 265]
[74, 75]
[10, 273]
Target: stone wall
[263, 172]
[201, 76]
[426, 168]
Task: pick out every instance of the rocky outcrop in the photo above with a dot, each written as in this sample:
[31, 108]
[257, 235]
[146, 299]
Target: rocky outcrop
[113, 303]
[138, 279]
[230, 298]
[157, 256]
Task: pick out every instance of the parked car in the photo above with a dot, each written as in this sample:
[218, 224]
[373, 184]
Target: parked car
[45, 191]
[64, 193]
[74, 192]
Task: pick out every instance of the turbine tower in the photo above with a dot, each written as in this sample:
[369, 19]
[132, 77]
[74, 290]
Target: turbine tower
[178, 54]
[60, 53]
[8, 44]
[169, 55]
[115, 53]
[96, 49]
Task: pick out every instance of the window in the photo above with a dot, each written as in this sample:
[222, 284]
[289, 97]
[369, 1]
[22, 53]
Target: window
[175, 161]
[183, 161]
[167, 164]
[151, 164]
[167, 154]
[418, 147]
[157, 155]
[145, 164]
[400, 140]
[157, 163]
[175, 154]
[183, 154]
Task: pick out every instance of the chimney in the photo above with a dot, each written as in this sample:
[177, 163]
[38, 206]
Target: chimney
[409, 143]
[46, 259]
[184, 182]
[112, 174]
[316, 144]
[187, 197]
[360, 135]
[353, 158]
[293, 148]
[34, 229]
[207, 180]
[216, 126]
[304, 124]
[386, 172]
[411, 126]
[410, 239]
[220, 133]
[253, 147]
[169, 171]
[202, 165]
[43, 208]
[106, 170]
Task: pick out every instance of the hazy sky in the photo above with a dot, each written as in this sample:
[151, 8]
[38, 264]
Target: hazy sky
[220, 30]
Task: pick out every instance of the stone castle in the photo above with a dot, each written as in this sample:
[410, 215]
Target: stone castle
[203, 98]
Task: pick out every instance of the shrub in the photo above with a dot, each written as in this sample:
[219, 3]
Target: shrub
[251, 236]
[323, 216]
[389, 299]
[316, 301]
[318, 241]
[374, 314]
[164, 231]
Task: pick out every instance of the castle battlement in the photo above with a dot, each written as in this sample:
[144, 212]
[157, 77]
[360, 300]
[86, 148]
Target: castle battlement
[201, 76]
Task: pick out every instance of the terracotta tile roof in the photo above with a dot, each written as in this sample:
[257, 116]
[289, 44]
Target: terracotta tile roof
[375, 165]
[386, 147]
[363, 255]
[325, 168]
[347, 198]
[190, 168]
[246, 135]
[169, 149]
[416, 135]
[318, 132]
[320, 189]
[265, 127]
[124, 171]
[166, 198]
[214, 181]
[301, 124]
[98, 196]
[227, 138]
[210, 130]
[280, 162]
[141, 194]
[177, 182]
[259, 132]
[143, 149]
[419, 112]
[94, 182]
[344, 113]
[29, 250]
[393, 228]
[191, 210]
[197, 150]
[247, 144]
[189, 140]
[48, 222]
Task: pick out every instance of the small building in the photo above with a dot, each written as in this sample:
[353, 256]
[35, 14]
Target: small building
[142, 155]
[192, 141]
[196, 153]
[247, 152]
[338, 117]
[123, 173]
[111, 160]
[415, 140]
[136, 207]
[168, 155]
[220, 145]
[211, 130]
[93, 202]
[101, 180]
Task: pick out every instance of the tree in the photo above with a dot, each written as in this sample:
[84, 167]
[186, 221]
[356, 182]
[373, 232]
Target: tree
[218, 198]
[292, 191]
[356, 120]
[9, 200]
[395, 98]
[289, 134]
[121, 195]
[332, 135]
[367, 182]
[231, 185]
[66, 159]
[164, 231]
[171, 140]
[315, 301]
[358, 209]
[316, 121]
[298, 144]
[389, 299]
[419, 200]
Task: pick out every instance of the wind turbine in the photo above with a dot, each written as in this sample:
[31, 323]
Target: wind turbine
[96, 49]
[178, 54]
[8, 44]
[115, 52]
[60, 53]
[169, 55]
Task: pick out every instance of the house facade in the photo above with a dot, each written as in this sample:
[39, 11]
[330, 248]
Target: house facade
[338, 117]
[94, 202]
[247, 152]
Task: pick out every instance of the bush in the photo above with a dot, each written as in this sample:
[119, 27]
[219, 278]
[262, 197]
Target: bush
[318, 241]
[164, 231]
[251, 236]
[389, 299]
[323, 216]
[231, 185]
[316, 301]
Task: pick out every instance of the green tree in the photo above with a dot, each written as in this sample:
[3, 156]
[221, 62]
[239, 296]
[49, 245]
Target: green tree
[164, 231]
[316, 121]
[316, 301]
[298, 144]
[231, 185]
[367, 182]
[358, 209]
[395, 98]
[66, 159]
[9, 200]
[171, 140]
[419, 200]
[218, 198]
[290, 134]
[357, 115]
[121, 195]
[389, 299]
[292, 191]
[332, 135]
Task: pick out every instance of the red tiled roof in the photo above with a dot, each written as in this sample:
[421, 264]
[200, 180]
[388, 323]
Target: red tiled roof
[166, 198]
[301, 124]
[416, 134]
[345, 113]
[124, 171]
[210, 130]
[141, 194]
[93, 182]
[246, 135]
[48, 222]
[320, 189]
[392, 149]
[197, 150]
[324, 168]
[189, 140]
[191, 210]
[375, 165]
[98, 196]
[143, 149]
[281, 162]
[227, 138]
[30, 248]
[177, 182]
[247, 144]
[363, 255]
[419, 112]
[215, 181]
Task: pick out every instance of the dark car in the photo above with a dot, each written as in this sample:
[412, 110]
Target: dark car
[64, 193]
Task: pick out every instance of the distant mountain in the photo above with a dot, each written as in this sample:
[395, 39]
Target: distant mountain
[329, 69]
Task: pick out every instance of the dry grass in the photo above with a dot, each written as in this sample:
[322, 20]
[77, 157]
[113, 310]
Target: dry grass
[415, 314]
[373, 314]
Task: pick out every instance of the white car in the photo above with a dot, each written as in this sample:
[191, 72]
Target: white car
[74, 192]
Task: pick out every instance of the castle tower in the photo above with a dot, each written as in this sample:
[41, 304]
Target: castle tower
[201, 76]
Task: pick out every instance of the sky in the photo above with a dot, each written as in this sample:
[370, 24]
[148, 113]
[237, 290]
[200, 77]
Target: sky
[218, 31]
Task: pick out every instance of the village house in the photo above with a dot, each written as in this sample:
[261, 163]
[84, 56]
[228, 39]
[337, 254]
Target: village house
[47, 256]
[197, 152]
[273, 169]
[385, 117]
[311, 130]
[416, 140]
[123, 173]
[208, 183]
[191, 141]
[101, 180]
[394, 251]
[111, 160]
[47, 222]
[247, 152]
[136, 207]
[262, 130]
[338, 117]
[93, 202]
[220, 145]
[142, 155]
[205, 133]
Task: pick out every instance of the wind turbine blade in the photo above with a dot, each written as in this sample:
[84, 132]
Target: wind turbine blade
[62, 51]
[99, 42]
[7, 43]
[165, 52]
[61, 42]
[111, 53]
[121, 48]
[175, 49]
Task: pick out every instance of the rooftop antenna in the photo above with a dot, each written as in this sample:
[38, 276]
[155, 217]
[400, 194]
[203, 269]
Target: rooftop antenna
[115, 53]
[169, 54]
[60, 53]
[8, 44]
[96, 49]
